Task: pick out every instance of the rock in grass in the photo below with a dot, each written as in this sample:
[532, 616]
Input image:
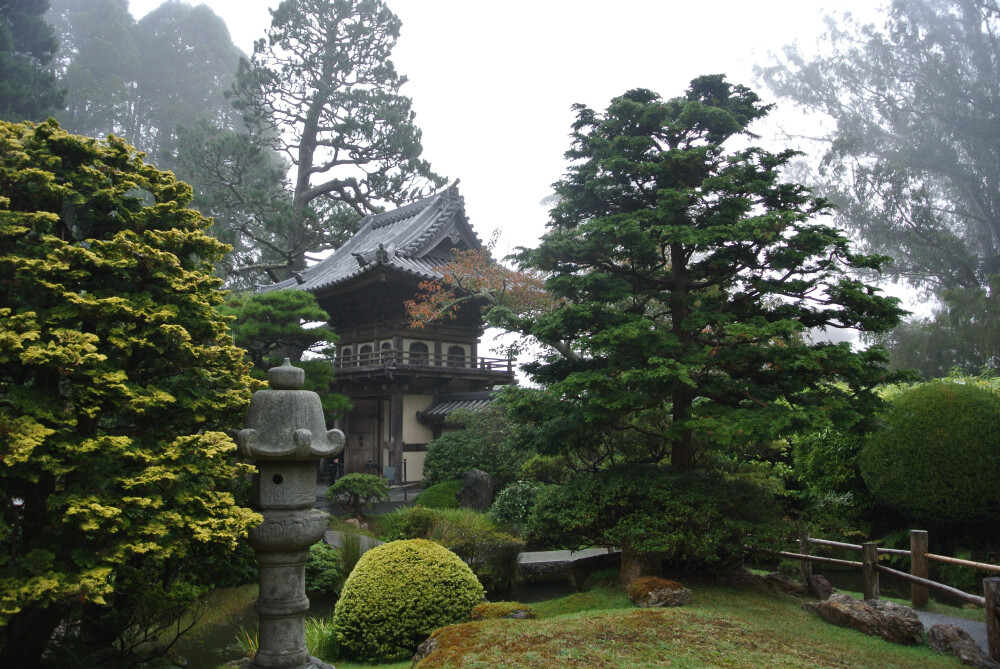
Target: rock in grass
[510, 610]
[889, 620]
[948, 638]
[778, 582]
[650, 591]
[423, 650]
[819, 587]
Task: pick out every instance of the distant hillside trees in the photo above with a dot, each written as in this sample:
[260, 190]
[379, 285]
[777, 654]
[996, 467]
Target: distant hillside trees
[28, 89]
[911, 161]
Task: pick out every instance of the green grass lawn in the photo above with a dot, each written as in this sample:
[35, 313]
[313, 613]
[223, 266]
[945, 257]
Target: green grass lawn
[726, 626]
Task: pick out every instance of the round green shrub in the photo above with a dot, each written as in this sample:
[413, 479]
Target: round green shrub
[324, 570]
[398, 594]
[937, 458]
[514, 503]
[440, 496]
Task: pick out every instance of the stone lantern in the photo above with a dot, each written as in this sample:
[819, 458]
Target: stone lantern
[285, 434]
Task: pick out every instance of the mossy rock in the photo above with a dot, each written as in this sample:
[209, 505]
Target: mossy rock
[398, 594]
[512, 610]
[651, 591]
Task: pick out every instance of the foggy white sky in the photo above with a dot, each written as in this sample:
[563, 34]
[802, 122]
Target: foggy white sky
[492, 83]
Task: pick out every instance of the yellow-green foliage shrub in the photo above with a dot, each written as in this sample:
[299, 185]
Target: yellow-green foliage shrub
[398, 594]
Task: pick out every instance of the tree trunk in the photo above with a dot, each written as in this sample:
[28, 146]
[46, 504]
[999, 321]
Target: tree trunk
[682, 448]
[636, 565]
[26, 635]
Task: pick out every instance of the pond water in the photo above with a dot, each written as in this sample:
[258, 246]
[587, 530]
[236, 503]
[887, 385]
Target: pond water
[215, 644]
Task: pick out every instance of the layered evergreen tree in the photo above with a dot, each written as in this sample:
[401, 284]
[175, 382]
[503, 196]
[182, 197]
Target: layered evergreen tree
[28, 90]
[688, 278]
[288, 323]
[321, 89]
[118, 377]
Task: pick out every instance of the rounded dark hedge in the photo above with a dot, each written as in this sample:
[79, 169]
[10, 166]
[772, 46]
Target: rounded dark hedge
[440, 496]
[937, 458]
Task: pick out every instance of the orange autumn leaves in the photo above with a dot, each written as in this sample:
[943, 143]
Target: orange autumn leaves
[474, 277]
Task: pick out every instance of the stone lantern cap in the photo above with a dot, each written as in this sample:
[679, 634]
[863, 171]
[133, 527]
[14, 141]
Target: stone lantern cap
[285, 422]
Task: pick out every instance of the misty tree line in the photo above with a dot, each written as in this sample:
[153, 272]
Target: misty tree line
[288, 147]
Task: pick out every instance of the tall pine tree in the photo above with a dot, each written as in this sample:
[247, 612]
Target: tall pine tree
[688, 279]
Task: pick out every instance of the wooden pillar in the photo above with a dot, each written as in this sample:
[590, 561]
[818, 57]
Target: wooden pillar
[397, 344]
[869, 558]
[396, 433]
[918, 567]
[991, 590]
[805, 566]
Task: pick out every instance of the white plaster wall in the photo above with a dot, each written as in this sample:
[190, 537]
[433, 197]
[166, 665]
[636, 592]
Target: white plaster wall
[415, 465]
[413, 431]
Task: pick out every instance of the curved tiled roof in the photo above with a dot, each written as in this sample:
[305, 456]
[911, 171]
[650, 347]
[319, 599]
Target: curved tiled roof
[446, 404]
[403, 239]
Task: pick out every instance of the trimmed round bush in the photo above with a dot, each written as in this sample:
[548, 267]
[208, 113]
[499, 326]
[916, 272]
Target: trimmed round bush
[514, 503]
[398, 594]
[440, 496]
[937, 458]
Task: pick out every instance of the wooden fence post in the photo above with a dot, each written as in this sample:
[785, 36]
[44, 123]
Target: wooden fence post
[991, 590]
[918, 567]
[869, 558]
[805, 566]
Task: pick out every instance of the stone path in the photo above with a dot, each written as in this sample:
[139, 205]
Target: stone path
[546, 562]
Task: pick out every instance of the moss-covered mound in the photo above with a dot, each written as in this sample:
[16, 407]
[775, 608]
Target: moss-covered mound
[398, 594]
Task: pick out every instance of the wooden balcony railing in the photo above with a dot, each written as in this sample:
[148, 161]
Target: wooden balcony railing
[394, 359]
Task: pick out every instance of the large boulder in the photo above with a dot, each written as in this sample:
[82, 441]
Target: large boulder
[819, 587]
[778, 582]
[893, 622]
[477, 492]
[650, 591]
[948, 638]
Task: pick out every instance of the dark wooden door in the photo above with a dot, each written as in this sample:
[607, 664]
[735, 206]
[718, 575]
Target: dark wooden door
[363, 452]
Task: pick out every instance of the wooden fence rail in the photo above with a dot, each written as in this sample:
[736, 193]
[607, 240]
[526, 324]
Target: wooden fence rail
[920, 583]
